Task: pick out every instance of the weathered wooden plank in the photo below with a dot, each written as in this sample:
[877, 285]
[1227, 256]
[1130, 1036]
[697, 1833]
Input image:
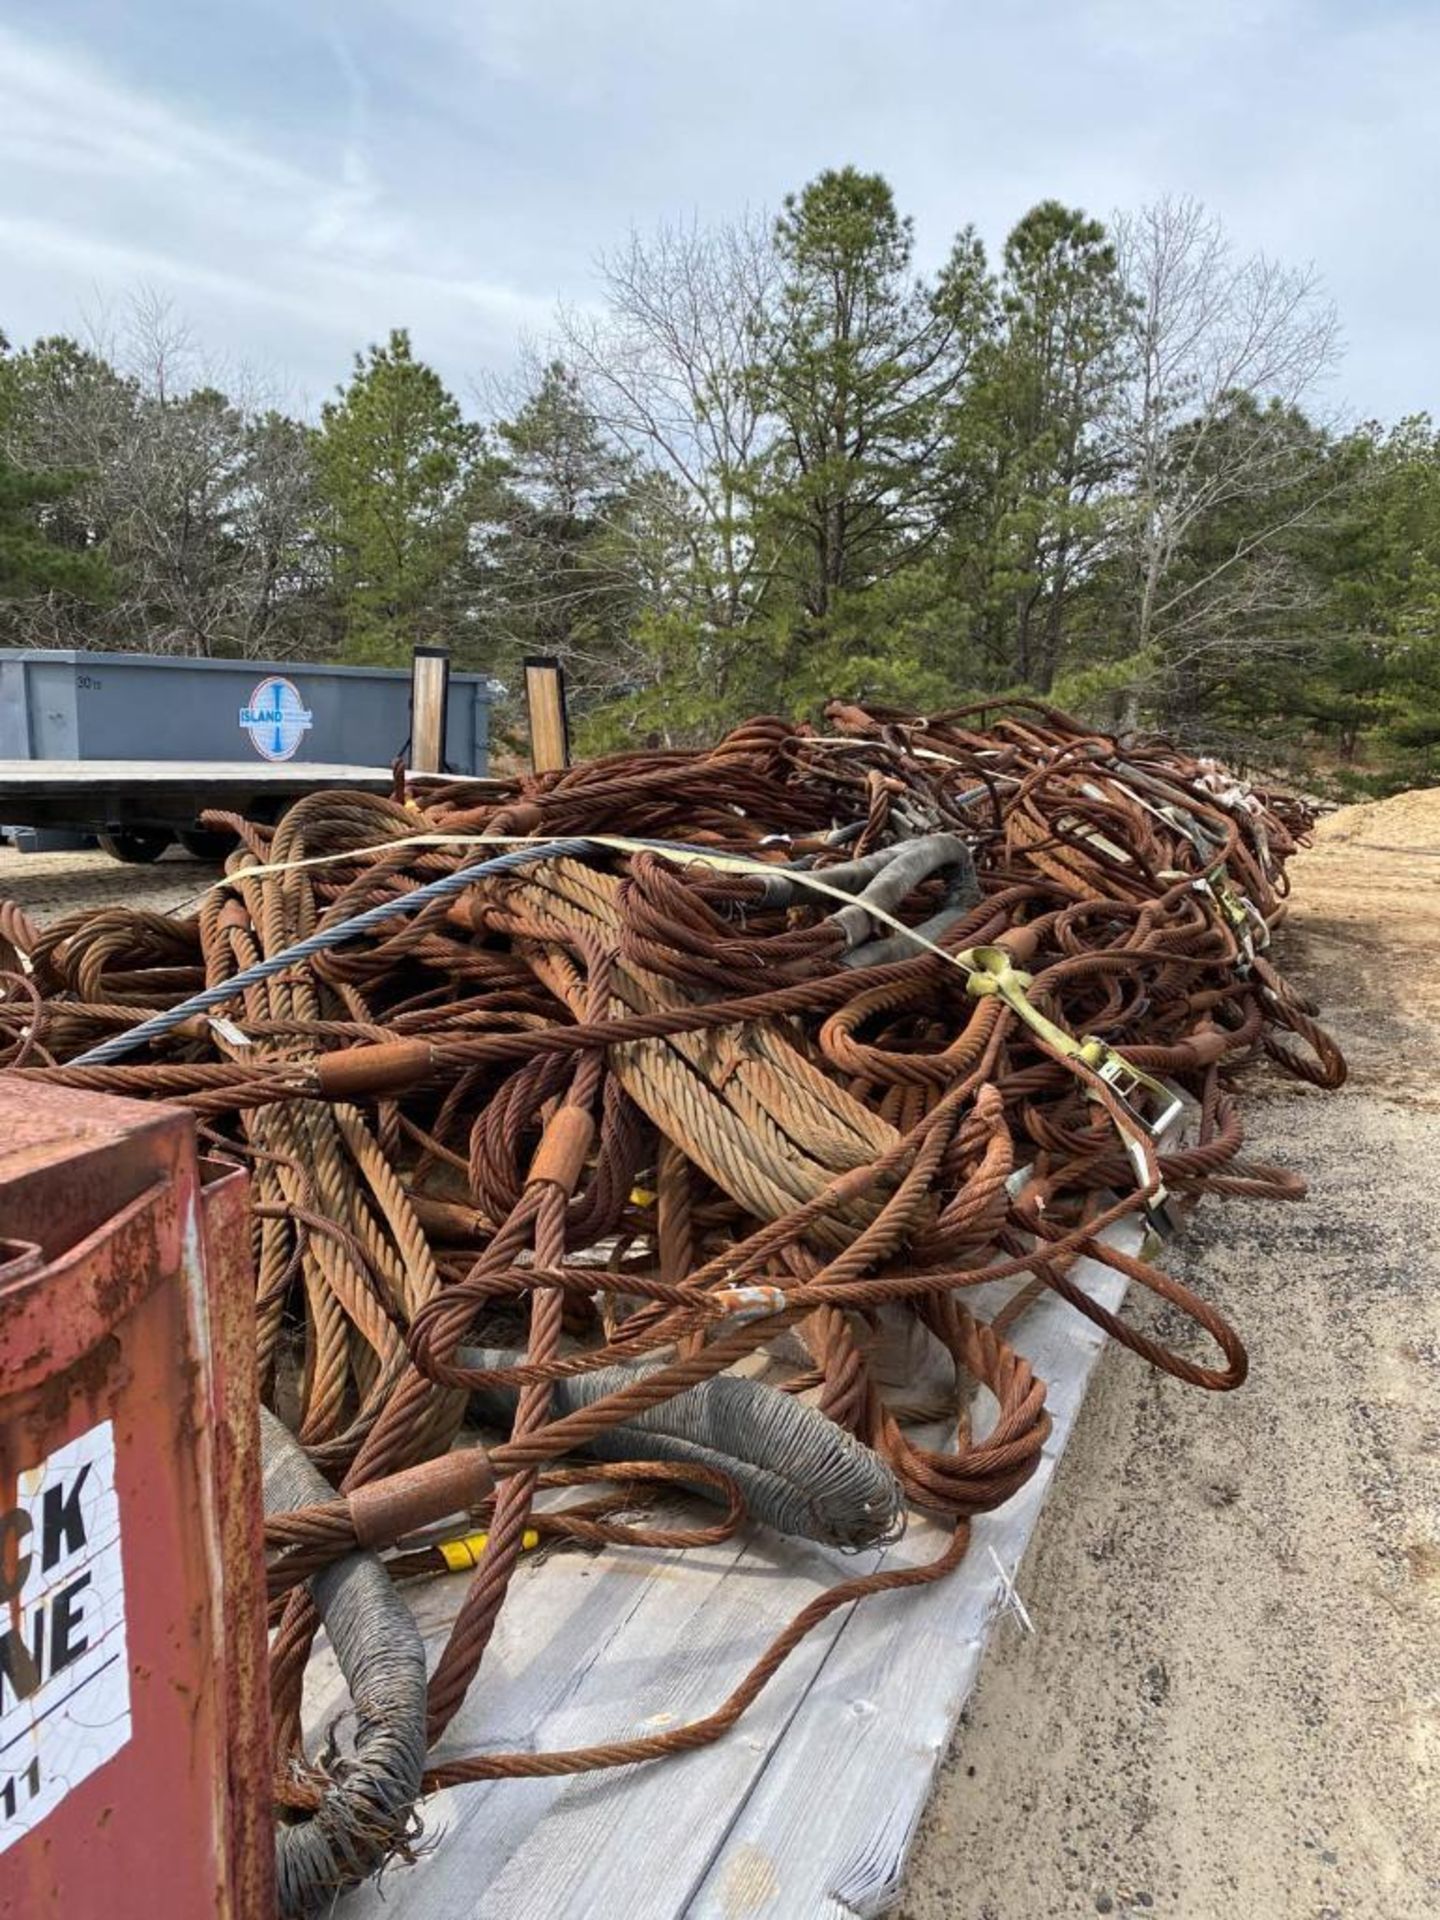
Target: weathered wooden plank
[655, 1640]
[877, 1719]
[557, 1629]
[675, 1659]
[809, 1805]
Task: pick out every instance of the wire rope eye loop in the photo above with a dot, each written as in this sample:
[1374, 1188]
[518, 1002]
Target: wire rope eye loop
[992, 970]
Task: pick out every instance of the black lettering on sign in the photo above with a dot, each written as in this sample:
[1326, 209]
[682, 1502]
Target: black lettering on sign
[22, 1667]
[62, 1529]
[10, 1792]
[64, 1669]
[67, 1631]
[15, 1529]
[27, 1661]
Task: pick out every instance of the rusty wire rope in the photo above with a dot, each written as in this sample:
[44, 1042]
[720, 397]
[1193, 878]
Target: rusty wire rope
[880, 1014]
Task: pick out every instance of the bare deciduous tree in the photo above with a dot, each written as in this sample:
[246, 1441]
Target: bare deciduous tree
[197, 497]
[667, 372]
[1223, 351]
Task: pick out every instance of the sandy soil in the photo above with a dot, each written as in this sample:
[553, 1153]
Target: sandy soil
[1231, 1703]
[47, 885]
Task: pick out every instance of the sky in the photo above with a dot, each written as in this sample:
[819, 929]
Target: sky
[297, 177]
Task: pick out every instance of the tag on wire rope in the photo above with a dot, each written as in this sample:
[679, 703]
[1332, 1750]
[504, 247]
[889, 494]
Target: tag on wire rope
[1010, 1601]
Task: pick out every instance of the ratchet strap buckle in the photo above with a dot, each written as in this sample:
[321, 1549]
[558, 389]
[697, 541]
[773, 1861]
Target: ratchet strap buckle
[1151, 1105]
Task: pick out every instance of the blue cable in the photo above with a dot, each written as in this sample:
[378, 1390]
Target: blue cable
[123, 1043]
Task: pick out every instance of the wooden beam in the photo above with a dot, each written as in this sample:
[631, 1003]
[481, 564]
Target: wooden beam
[429, 700]
[549, 722]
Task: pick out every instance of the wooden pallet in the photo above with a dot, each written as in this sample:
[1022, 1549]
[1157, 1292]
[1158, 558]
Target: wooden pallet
[808, 1807]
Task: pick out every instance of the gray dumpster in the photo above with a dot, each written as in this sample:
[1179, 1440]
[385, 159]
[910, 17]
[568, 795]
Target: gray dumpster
[135, 746]
[65, 705]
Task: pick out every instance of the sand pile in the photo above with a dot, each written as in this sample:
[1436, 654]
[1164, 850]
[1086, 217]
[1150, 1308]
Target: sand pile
[1406, 822]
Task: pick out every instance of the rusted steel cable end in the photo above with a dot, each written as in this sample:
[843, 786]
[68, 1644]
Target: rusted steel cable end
[386, 1510]
[389, 1067]
[563, 1149]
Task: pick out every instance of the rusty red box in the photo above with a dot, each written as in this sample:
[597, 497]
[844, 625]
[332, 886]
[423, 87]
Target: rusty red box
[133, 1702]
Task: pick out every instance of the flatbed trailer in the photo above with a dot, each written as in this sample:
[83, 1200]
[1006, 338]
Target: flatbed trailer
[137, 808]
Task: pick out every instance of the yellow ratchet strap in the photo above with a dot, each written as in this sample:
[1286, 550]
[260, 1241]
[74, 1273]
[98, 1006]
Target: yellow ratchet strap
[993, 971]
[1235, 909]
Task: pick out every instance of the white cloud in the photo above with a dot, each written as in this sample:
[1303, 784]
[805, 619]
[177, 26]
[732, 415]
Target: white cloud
[104, 187]
[350, 214]
[302, 186]
[55, 110]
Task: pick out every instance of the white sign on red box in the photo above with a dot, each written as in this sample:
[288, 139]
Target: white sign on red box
[64, 1675]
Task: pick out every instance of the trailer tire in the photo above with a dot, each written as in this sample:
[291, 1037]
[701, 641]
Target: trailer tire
[136, 846]
[201, 845]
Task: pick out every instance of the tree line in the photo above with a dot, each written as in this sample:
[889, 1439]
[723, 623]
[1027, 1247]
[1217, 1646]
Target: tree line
[773, 463]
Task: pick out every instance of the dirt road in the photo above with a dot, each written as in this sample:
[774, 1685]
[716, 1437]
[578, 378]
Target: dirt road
[1230, 1708]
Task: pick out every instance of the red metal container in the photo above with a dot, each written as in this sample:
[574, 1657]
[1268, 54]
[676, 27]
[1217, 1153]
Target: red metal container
[133, 1701]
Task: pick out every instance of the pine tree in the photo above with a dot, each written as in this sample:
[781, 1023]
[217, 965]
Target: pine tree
[398, 469]
[558, 555]
[1034, 423]
[858, 360]
[32, 559]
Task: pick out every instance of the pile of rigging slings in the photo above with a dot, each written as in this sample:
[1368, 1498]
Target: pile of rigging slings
[584, 1091]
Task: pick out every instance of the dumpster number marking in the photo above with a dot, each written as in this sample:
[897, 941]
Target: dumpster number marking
[64, 1676]
[276, 718]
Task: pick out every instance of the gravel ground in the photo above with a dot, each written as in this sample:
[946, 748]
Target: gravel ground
[47, 885]
[1230, 1707]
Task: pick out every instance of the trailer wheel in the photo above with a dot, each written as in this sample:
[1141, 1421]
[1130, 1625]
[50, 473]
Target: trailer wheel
[206, 846]
[136, 846]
